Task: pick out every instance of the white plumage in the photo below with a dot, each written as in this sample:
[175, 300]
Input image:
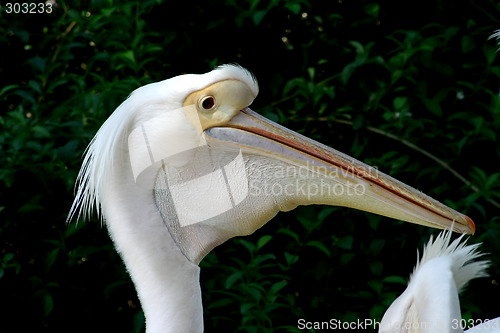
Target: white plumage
[172, 171]
[497, 36]
[430, 302]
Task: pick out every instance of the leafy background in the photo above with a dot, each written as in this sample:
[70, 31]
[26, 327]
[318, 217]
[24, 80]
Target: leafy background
[410, 87]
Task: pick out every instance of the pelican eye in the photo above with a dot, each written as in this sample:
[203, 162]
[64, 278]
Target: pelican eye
[207, 102]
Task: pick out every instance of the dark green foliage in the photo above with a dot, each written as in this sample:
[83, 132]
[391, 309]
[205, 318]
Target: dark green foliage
[410, 87]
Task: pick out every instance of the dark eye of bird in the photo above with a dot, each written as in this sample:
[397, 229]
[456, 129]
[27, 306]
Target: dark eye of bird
[208, 103]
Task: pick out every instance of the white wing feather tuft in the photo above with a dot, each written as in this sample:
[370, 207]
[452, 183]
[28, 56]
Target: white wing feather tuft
[462, 256]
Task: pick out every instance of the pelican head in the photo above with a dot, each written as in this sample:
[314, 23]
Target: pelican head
[184, 164]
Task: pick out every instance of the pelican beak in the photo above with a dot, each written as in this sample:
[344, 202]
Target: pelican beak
[369, 189]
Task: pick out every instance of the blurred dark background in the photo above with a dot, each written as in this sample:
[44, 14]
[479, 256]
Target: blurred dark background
[410, 87]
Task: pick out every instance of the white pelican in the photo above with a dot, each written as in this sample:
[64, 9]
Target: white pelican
[182, 165]
[430, 302]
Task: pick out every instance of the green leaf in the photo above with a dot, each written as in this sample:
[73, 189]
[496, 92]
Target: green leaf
[358, 122]
[129, 55]
[325, 212]
[347, 72]
[467, 44]
[489, 52]
[41, 131]
[138, 321]
[357, 46]
[48, 304]
[399, 102]
[291, 258]
[295, 83]
[38, 63]
[231, 279]
[5, 89]
[263, 257]
[51, 258]
[248, 245]
[311, 71]
[263, 241]
[26, 96]
[345, 242]
[290, 233]
[294, 7]
[319, 246]
[221, 303]
[275, 288]
[372, 9]
[376, 245]
[258, 16]
[395, 279]
[376, 285]
[246, 308]
[8, 257]
[108, 11]
[346, 258]
[376, 268]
